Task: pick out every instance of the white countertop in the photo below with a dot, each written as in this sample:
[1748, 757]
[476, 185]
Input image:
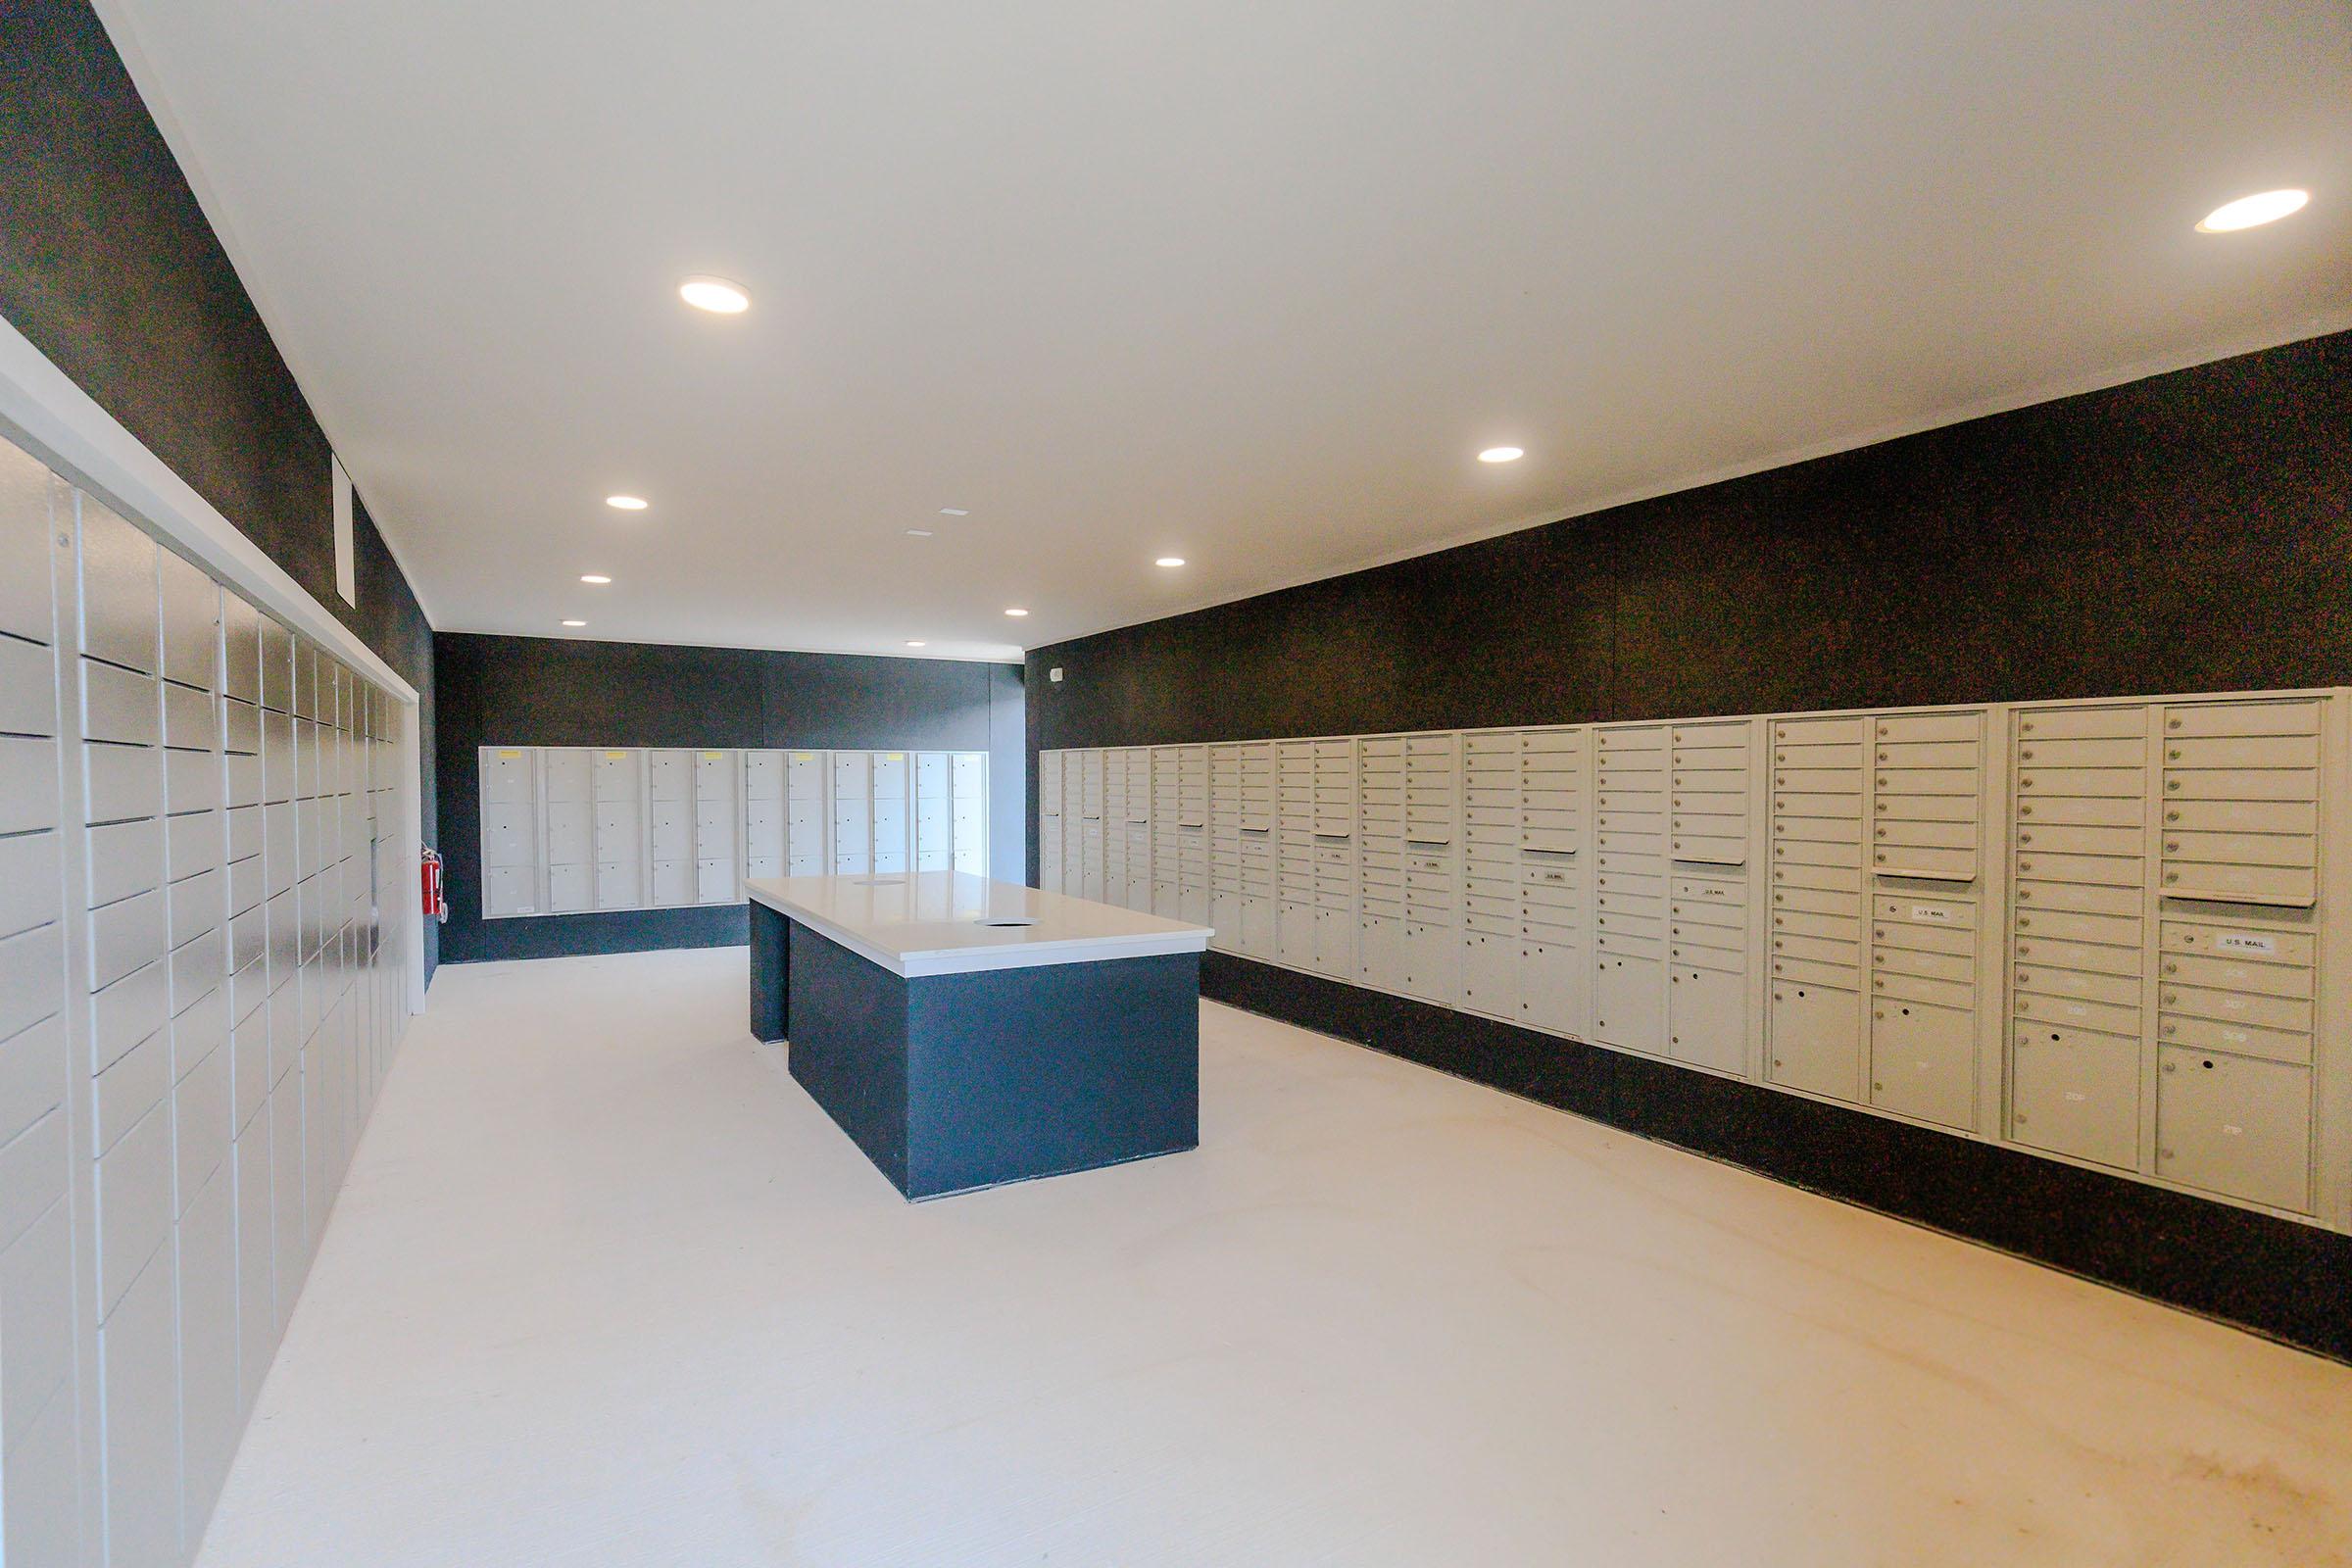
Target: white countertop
[921, 923]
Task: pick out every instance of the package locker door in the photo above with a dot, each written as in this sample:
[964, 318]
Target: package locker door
[893, 823]
[621, 878]
[808, 821]
[569, 775]
[1050, 829]
[717, 811]
[852, 813]
[509, 825]
[933, 812]
[1630, 883]
[969, 811]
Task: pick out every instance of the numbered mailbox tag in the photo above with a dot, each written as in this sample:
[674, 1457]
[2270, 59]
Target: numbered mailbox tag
[2251, 941]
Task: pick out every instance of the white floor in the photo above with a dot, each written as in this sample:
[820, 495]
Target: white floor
[605, 1288]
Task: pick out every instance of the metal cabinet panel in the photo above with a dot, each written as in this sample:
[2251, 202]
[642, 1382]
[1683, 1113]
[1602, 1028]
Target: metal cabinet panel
[1706, 1017]
[35, 506]
[31, 885]
[28, 687]
[191, 617]
[673, 882]
[2236, 1126]
[140, 1376]
[569, 775]
[1815, 1039]
[569, 889]
[120, 618]
[1923, 1061]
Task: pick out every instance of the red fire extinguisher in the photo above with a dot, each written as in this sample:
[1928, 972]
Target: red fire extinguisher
[436, 903]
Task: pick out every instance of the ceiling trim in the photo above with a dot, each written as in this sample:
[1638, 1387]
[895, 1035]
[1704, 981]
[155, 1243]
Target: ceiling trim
[2320, 326]
[65, 427]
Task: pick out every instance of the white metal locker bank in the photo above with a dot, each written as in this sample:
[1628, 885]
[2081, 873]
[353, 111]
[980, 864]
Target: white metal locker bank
[566, 830]
[2111, 932]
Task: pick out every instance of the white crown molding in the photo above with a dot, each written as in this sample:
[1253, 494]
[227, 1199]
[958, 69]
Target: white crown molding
[63, 425]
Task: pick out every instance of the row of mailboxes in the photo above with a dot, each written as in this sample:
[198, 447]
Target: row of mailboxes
[569, 829]
[197, 1003]
[1820, 903]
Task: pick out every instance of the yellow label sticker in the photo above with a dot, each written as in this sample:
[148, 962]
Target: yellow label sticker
[803, 756]
[714, 757]
[617, 757]
[893, 757]
[509, 753]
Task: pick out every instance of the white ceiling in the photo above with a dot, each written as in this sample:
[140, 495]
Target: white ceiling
[1248, 282]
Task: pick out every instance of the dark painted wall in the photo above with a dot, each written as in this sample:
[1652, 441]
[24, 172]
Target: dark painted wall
[110, 269]
[2188, 533]
[536, 691]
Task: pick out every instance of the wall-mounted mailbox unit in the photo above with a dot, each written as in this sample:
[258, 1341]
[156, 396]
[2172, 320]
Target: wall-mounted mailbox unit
[2106, 931]
[567, 830]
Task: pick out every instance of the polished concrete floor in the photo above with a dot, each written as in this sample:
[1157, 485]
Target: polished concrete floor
[605, 1288]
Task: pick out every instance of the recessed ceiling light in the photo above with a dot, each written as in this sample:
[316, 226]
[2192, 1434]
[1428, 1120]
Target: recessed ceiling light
[1500, 455]
[917, 643]
[954, 512]
[1016, 611]
[625, 503]
[575, 623]
[1169, 560]
[2252, 212]
[596, 577]
[919, 533]
[716, 295]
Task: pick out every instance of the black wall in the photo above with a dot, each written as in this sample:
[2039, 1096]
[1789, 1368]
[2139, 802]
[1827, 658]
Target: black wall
[534, 691]
[110, 269]
[2188, 533]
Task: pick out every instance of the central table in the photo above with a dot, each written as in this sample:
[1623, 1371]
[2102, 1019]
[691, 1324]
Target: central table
[966, 1032]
